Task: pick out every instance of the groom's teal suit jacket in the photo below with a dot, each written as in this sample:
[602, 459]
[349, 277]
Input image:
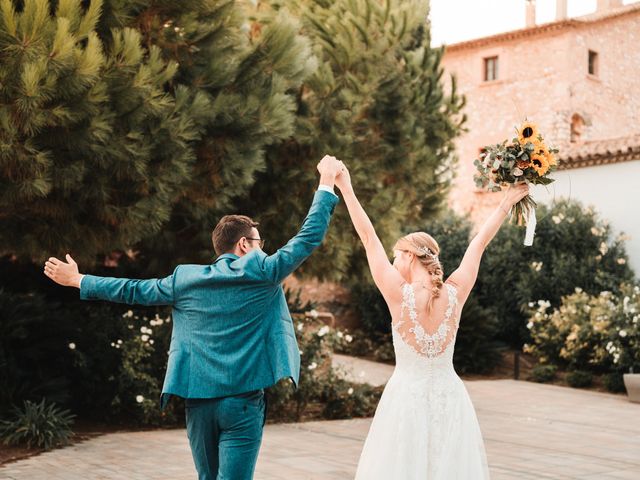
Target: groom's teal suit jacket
[232, 331]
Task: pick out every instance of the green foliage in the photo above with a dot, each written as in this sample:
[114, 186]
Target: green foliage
[363, 343]
[84, 356]
[543, 373]
[90, 138]
[376, 101]
[600, 334]
[319, 383]
[579, 379]
[31, 361]
[573, 248]
[342, 399]
[119, 118]
[614, 382]
[37, 425]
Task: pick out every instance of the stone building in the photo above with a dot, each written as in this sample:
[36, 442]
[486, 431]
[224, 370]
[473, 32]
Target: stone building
[579, 80]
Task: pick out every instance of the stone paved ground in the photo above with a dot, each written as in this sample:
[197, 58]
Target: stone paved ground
[531, 431]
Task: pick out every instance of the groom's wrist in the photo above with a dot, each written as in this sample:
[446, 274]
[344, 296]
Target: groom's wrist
[328, 179]
[77, 281]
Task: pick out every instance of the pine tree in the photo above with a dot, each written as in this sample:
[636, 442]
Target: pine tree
[376, 101]
[247, 72]
[183, 100]
[93, 150]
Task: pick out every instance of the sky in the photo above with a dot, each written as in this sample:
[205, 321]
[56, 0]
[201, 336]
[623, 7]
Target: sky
[454, 21]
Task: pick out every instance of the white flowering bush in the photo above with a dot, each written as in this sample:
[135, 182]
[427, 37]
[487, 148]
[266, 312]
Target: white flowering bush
[321, 393]
[138, 380]
[574, 247]
[596, 333]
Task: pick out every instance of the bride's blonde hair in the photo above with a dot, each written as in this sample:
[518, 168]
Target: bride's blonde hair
[426, 250]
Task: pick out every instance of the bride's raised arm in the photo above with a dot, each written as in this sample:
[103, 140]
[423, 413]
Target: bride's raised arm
[387, 279]
[464, 277]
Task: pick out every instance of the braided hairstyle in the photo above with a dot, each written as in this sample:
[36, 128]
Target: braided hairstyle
[426, 250]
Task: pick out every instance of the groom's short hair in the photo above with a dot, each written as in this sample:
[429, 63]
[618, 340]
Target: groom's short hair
[229, 230]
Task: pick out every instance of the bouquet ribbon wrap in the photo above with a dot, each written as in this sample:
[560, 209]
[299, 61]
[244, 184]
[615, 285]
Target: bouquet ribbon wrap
[531, 228]
[531, 225]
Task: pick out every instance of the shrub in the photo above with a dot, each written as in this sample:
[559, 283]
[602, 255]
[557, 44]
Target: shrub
[32, 350]
[543, 373]
[319, 383]
[579, 379]
[343, 399]
[37, 425]
[595, 333]
[614, 382]
[573, 248]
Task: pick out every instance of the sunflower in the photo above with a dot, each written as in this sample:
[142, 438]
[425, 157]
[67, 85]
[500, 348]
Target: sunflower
[551, 158]
[541, 149]
[540, 164]
[528, 132]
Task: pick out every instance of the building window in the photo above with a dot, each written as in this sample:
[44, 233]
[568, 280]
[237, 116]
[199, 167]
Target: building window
[490, 69]
[593, 62]
[577, 127]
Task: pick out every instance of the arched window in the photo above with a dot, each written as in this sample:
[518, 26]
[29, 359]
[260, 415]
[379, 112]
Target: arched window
[577, 128]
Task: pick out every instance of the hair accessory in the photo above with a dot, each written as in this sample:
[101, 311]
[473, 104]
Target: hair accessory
[427, 252]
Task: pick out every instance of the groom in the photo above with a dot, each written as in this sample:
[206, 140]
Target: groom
[232, 331]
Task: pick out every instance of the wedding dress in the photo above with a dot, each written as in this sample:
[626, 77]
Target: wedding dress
[425, 426]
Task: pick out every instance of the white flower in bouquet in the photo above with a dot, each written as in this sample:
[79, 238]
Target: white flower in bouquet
[144, 337]
[72, 346]
[348, 338]
[323, 331]
[350, 391]
[623, 333]
[139, 398]
[312, 366]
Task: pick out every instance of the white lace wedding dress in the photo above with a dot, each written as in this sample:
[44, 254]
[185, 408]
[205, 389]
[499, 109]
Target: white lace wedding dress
[425, 426]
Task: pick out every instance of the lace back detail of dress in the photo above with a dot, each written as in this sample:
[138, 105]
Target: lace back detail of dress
[429, 345]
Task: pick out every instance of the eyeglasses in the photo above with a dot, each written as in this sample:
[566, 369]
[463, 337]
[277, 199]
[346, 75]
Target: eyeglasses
[261, 240]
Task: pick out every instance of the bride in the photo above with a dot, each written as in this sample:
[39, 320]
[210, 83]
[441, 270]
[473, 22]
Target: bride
[425, 426]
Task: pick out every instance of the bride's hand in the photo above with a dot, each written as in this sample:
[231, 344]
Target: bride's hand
[515, 193]
[343, 179]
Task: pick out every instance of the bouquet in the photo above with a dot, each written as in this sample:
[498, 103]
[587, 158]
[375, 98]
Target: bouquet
[525, 159]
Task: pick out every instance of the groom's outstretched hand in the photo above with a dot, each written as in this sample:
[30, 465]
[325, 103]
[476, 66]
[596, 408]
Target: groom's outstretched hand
[63, 273]
[329, 167]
